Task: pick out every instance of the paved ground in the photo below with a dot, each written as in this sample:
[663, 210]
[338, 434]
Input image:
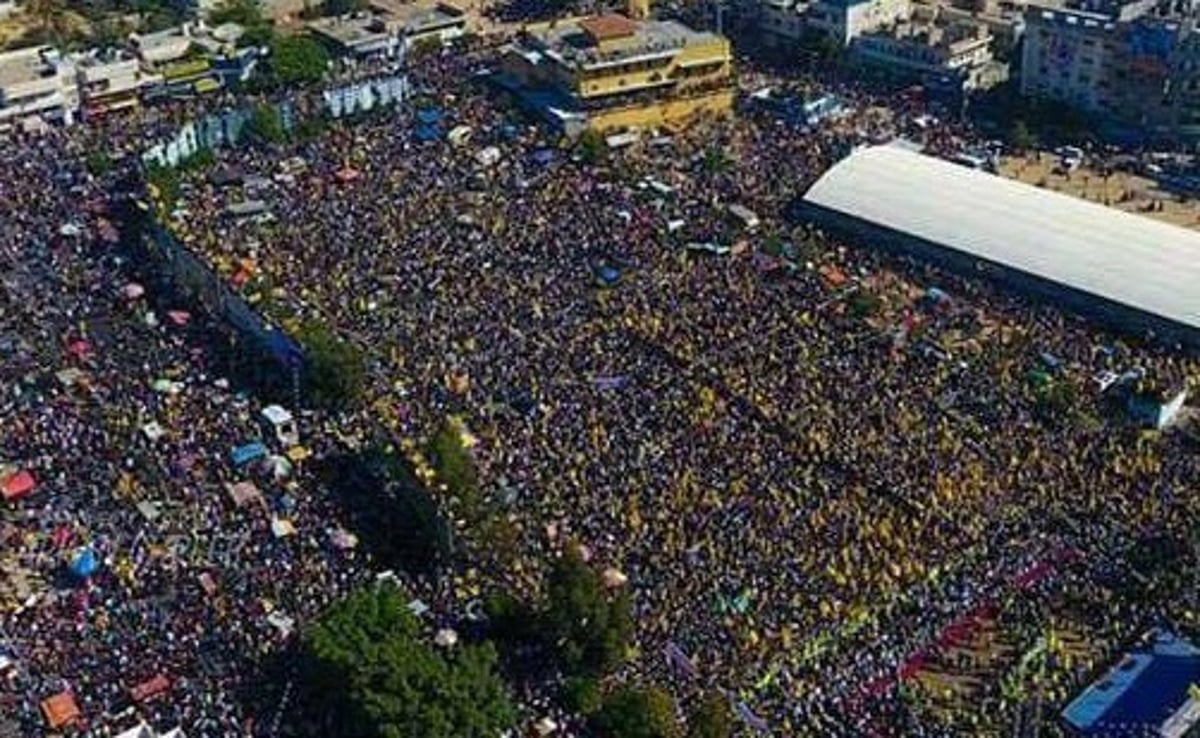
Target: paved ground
[1121, 190]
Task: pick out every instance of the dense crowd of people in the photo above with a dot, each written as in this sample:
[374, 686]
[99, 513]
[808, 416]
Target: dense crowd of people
[820, 467]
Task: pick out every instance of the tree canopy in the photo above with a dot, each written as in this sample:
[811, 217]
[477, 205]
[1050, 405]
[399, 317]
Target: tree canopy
[639, 712]
[245, 13]
[267, 124]
[298, 59]
[336, 368]
[453, 463]
[712, 718]
[369, 668]
[1020, 137]
[590, 628]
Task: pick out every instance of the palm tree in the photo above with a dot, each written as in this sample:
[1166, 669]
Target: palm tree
[51, 18]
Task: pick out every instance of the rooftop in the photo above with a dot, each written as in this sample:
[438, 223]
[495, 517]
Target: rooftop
[1143, 693]
[608, 27]
[352, 30]
[172, 44]
[411, 10]
[26, 65]
[613, 38]
[385, 19]
[1137, 262]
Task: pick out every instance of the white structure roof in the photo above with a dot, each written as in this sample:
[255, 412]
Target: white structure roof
[1128, 259]
[276, 415]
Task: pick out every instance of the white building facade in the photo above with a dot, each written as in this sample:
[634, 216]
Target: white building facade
[37, 84]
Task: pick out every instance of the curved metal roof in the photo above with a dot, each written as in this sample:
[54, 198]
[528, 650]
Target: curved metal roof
[1128, 259]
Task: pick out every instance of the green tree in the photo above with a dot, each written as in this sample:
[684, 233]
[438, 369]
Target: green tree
[773, 245]
[390, 509]
[165, 186]
[368, 667]
[257, 36]
[633, 712]
[245, 13]
[50, 17]
[267, 124]
[582, 694]
[590, 629]
[863, 304]
[336, 370]
[1020, 137]
[1057, 401]
[590, 146]
[715, 160]
[298, 60]
[107, 33]
[712, 718]
[423, 47]
[311, 127]
[99, 162]
[455, 467]
[510, 618]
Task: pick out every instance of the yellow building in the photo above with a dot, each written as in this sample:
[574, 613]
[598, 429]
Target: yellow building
[610, 72]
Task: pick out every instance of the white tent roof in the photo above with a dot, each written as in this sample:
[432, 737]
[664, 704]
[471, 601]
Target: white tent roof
[138, 731]
[1125, 258]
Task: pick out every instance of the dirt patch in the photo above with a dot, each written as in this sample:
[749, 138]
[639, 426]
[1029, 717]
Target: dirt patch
[1128, 192]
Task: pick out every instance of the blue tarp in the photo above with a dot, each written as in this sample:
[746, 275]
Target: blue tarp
[607, 275]
[429, 116]
[428, 133]
[284, 349]
[85, 563]
[1141, 692]
[247, 453]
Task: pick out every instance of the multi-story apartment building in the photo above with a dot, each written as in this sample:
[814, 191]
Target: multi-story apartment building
[840, 21]
[110, 82]
[614, 71]
[1123, 63]
[387, 27]
[932, 48]
[36, 84]
[845, 20]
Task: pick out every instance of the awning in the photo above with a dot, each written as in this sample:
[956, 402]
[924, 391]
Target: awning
[247, 453]
[60, 710]
[243, 493]
[208, 84]
[18, 485]
[150, 688]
